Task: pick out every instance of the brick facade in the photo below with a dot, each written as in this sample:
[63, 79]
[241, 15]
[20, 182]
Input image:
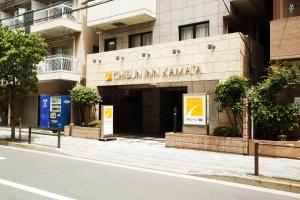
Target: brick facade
[83, 132]
[207, 143]
[285, 38]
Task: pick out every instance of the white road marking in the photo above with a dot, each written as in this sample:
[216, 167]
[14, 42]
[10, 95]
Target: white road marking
[34, 190]
[207, 180]
[2, 158]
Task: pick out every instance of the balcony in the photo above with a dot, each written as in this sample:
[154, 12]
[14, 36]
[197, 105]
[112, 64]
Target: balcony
[56, 21]
[59, 67]
[118, 13]
[14, 23]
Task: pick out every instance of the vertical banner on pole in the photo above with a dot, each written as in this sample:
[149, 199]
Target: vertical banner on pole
[107, 119]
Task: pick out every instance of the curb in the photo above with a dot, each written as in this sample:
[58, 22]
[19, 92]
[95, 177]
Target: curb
[265, 182]
[30, 147]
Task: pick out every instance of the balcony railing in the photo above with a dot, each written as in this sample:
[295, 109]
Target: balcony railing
[60, 11]
[113, 14]
[14, 23]
[59, 63]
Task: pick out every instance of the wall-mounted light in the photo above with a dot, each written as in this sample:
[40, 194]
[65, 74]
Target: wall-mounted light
[146, 55]
[211, 47]
[120, 58]
[176, 51]
[97, 61]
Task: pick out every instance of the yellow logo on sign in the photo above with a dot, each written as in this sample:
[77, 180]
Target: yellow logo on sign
[194, 107]
[108, 76]
[108, 112]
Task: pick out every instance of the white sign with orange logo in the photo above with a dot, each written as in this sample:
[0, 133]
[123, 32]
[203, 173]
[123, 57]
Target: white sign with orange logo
[195, 109]
[107, 116]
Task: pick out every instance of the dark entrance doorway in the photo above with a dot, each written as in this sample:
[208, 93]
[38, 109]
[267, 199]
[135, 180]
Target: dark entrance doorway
[144, 110]
[171, 98]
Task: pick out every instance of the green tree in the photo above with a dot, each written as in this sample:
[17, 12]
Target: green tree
[85, 99]
[19, 55]
[276, 116]
[230, 95]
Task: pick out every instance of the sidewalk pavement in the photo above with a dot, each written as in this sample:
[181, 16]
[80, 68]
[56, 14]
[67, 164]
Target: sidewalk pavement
[151, 153]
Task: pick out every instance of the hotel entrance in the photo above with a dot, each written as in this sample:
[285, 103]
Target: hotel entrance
[144, 110]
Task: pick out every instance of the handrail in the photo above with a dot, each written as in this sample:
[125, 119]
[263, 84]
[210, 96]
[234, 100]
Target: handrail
[58, 136]
[256, 154]
[59, 63]
[51, 13]
[14, 22]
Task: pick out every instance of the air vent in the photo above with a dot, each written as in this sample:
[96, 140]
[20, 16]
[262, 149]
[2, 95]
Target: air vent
[118, 24]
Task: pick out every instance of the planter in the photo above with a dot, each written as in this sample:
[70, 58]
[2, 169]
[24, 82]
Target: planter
[83, 132]
[282, 149]
[207, 142]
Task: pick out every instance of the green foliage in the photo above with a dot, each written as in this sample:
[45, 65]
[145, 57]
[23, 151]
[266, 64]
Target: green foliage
[95, 124]
[230, 95]
[268, 111]
[83, 96]
[86, 99]
[19, 55]
[225, 132]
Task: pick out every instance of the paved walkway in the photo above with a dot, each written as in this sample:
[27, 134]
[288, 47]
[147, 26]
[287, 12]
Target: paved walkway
[151, 153]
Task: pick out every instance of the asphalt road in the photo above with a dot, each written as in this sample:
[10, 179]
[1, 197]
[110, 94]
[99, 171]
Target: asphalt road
[29, 175]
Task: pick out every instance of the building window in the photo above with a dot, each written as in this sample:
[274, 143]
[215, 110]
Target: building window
[110, 44]
[193, 31]
[67, 50]
[141, 39]
[95, 49]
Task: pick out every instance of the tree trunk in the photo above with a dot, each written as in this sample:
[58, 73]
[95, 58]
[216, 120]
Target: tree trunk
[86, 115]
[12, 120]
[229, 117]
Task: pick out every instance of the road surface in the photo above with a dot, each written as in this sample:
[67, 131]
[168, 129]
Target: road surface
[29, 175]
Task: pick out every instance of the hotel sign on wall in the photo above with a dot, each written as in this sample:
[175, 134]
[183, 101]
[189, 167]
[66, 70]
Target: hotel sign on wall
[195, 109]
[153, 72]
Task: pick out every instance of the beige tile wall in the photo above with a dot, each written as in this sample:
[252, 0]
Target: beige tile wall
[219, 64]
[170, 15]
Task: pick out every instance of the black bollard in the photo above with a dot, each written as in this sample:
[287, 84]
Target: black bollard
[175, 119]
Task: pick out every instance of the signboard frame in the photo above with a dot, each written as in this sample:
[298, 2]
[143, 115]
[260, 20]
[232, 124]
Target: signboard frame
[107, 128]
[205, 107]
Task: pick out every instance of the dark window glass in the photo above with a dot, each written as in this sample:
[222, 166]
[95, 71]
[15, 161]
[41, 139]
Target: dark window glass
[291, 8]
[135, 41]
[110, 44]
[193, 31]
[95, 49]
[141, 39]
[147, 39]
[62, 50]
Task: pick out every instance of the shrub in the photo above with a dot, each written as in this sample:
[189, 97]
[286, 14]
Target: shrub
[86, 99]
[274, 115]
[225, 132]
[230, 95]
[95, 124]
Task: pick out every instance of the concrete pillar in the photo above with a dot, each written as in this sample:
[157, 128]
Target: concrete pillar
[151, 111]
[101, 41]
